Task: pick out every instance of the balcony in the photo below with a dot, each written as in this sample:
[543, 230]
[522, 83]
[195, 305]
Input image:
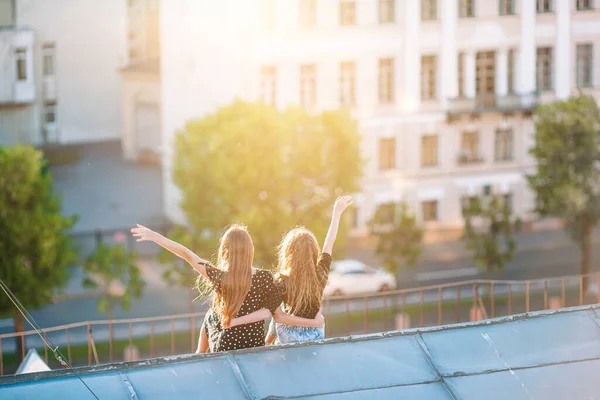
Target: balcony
[464, 159]
[488, 103]
[16, 63]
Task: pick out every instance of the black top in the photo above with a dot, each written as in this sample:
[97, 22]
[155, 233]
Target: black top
[323, 266]
[262, 294]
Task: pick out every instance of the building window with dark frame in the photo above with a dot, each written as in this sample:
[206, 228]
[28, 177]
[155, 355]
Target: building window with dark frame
[467, 8]
[544, 68]
[510, 71]
[430, 210]
[50, 112]
[428, 10]
[48, 56]
[21, 64]
[544, 6]
[348, 84]
[469, 147]
[387, 11]
[461, 75]
[347, 12]
[429, 150]
[585, 67]
[308, 86]
[485, 72]
[503, 149]
[585, 5]
[428, 77]
[386, 81]
[268, 85]
[506, 7]
[308, 13]
[387, 153]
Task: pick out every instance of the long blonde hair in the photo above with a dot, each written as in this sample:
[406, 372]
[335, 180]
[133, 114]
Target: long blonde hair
[235, 257]
[298, 254]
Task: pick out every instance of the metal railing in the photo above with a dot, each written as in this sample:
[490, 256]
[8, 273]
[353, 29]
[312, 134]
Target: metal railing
[491, 102]
[94, 342]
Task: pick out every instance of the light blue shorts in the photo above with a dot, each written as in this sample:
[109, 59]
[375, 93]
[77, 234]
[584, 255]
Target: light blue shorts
[293, 334]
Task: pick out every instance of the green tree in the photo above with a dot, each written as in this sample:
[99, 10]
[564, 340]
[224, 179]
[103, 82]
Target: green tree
[399, 244]
[489, 232]
[269, 169]
[35, 250]
[114, 272]
[567, 180]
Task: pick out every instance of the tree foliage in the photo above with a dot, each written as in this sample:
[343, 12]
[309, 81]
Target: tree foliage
[489, 232]
[399, 244]
[268, 169]
[35, 250]
[567, 179]
[114, 272]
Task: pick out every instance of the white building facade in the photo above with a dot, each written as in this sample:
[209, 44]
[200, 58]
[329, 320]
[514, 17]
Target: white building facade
[443, 89]
[59, 79]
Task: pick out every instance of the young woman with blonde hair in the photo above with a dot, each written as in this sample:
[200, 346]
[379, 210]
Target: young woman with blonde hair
[238, 289]
[302, 277]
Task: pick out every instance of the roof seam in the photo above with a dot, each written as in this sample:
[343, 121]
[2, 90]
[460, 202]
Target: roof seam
[425, 350]
[240, 377]
[128, 385]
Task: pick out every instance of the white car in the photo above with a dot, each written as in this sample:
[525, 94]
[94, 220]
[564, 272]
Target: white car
[353, 276]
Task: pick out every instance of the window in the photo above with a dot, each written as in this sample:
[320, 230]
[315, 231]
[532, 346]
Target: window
[268, 85]
[469, 147]
[430, 210]
[506, 7]
[584, 65]
[48, 59]
[386, 11]
[585, 4]
[428, 77]
[387, 213]
[461, 76]
[21, 59]
[507, 200]
[347, 83]
[543, 68]
[467, 8]
[387, 153]
[485, 72]
[510, 71]
[428, 10]
[504, 144]
[544, 6]
[386, 81]
[308, 86]
[308, 13]
[347, 12]
[50, 112]
[429, 150]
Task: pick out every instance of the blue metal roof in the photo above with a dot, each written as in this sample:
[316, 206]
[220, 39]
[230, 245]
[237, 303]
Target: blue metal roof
[547, 355]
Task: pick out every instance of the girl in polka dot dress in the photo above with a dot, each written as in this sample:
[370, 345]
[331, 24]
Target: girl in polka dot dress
[302, 277]
[237, 289]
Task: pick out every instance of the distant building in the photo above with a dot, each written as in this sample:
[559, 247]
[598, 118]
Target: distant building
[59, 62]
[443, 90]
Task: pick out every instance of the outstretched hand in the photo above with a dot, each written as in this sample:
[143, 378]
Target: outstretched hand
[144, 234]
[341, 204]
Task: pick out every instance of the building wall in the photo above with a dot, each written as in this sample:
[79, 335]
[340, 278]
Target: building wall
[205, 74]
[89, 40]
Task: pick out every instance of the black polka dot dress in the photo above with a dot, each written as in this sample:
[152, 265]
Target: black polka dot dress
[263, 293]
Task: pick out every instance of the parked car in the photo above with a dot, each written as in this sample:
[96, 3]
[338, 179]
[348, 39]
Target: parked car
[353, 276]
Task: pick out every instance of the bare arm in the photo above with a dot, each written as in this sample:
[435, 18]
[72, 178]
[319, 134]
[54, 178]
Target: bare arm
[283, 318]
[340, 205]
[179, 250]
[256, 316]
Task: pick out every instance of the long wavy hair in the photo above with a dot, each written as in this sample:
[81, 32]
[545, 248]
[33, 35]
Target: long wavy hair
[235, 257]
[298, 254]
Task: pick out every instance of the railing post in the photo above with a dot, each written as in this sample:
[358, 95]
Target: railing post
[152, 339]
[421, 308]
[493, 294]
[193, 323]
[509, 299]
[110, 341]
[475, 297]
[385, 313]
[89, 328]
[439, 305]
[1, 360]
[366, 314]
[347, 318]
[527, 296]
[562, 293]
[581, 290]
[130, 334]
[172, 336]
[68, 346]
[22, 347]
[458, 304]
[545, 294]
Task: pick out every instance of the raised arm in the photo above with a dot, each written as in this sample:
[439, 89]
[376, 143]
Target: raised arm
[146, 234]
[338, 208]
[283, 318]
